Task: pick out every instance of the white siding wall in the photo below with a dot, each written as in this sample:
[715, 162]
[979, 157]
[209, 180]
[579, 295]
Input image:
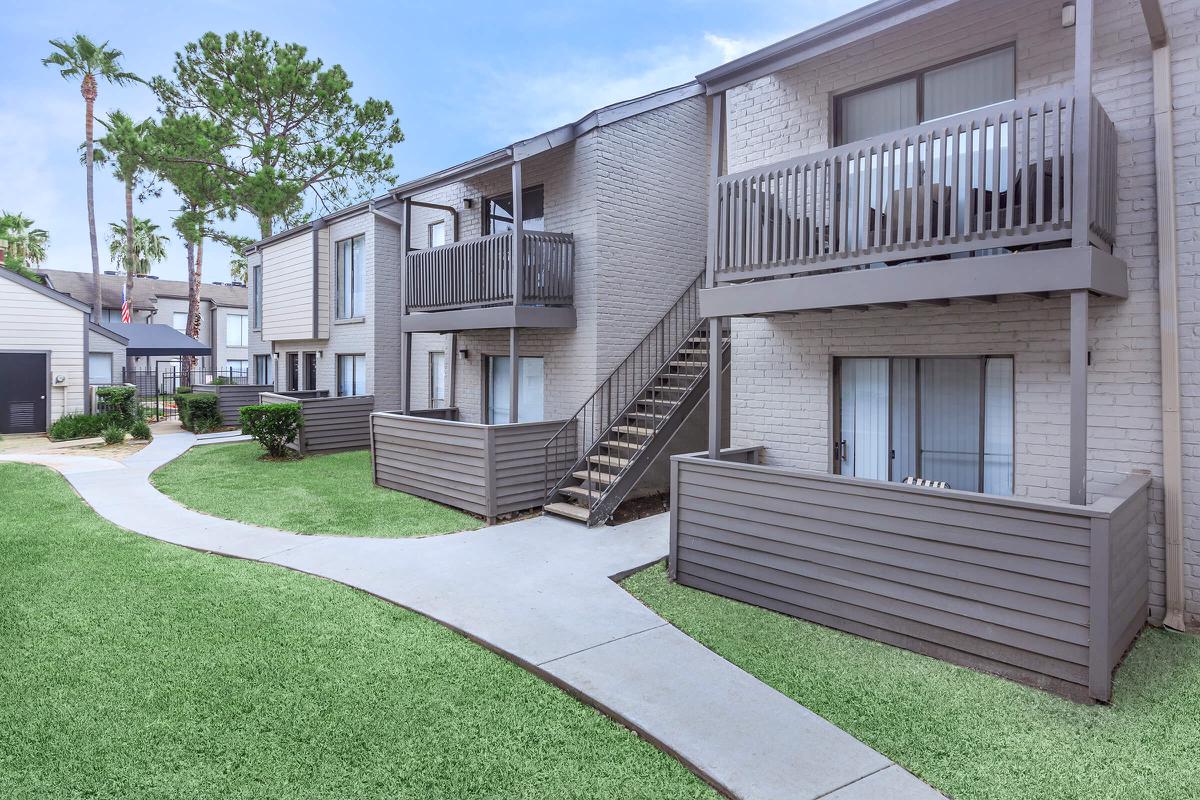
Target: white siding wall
[288, 288]
[32, 322]
[781, 366]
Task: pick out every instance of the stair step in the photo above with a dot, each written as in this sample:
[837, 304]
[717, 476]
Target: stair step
[647, 415]
[653, 402]
[634, 430]
[594, 476]
[635, 446]
[688, 363]
[665, 388]
[609, 461]
[568, 510]
[690, 350]
[580, 493]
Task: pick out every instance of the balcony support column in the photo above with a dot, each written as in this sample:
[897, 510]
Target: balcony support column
[1082, 126]
[518, 239]
[452, 391]
[716, 390]
[1079, 396]
[514, 374]
[716, 157]
[405, 338]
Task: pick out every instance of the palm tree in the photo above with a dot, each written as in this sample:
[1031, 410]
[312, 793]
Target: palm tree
[148, 248]
[126, 147]
[84, 60]
[25, 242]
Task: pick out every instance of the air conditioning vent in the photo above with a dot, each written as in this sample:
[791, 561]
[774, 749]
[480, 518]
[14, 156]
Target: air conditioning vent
[20, 417]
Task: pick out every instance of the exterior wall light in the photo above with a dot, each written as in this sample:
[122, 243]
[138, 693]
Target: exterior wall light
[1068, 15]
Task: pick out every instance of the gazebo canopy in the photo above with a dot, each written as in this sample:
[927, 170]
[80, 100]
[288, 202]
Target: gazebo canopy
[157, 340]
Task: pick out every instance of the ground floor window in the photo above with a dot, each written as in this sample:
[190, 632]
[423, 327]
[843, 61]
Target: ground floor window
[100, 370]
[262, 370]
[293, 372]
[943, 419]
[351, 375]
[437, 380]
[530, 372]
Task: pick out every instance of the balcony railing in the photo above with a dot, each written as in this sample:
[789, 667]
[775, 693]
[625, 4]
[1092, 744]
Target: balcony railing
[996, 177]
[478, 272]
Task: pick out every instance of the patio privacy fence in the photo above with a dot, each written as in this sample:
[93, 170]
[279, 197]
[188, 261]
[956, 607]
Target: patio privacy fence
[331, 424]
[1046, 593]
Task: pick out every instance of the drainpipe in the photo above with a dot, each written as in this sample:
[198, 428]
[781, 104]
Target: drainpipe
[1168, 302]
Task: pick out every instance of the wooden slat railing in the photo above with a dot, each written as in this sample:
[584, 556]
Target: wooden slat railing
[478, 272]
[996, 177]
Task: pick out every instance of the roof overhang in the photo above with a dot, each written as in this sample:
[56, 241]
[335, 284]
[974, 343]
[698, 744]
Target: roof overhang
[44, 290]
[107, 333]
[867, 21]
[157, 340]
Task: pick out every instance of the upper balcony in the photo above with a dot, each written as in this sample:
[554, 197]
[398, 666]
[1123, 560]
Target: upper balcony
[929, 213]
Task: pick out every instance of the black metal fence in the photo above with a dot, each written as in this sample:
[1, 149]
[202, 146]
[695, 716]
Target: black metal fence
[156, 387]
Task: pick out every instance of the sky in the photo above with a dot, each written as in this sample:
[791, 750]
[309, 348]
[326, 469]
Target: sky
[464, 79]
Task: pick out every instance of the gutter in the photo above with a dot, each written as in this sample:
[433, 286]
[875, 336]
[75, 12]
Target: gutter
[1168, 311]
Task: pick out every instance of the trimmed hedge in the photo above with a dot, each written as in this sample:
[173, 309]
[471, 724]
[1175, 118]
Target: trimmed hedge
[273, 425]
[198, 413]
[121, 403]
[78, 426]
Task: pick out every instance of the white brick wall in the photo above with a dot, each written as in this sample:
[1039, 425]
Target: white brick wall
[781, 366]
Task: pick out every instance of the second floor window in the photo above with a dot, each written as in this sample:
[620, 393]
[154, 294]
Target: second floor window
[256, 290]
[237, 330]
[351, 284]
[437, 233]
[179, 321]
[940, 91]
[498, 211]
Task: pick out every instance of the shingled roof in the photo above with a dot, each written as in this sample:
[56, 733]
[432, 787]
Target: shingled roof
[146, 291]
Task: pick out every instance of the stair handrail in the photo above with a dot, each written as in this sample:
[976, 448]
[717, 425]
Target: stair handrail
[614, 396]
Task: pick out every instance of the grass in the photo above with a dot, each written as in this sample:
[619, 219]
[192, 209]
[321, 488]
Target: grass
[135, 669]
[320, 494]
[971, 735]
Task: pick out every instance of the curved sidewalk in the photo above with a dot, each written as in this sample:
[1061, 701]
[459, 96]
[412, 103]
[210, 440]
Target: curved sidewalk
[539, 591]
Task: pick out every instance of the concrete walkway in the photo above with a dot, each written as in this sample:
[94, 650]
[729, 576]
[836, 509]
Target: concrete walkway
[539, 591]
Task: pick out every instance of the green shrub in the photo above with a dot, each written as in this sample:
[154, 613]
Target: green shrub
[198, 412]
[78, 426]
[274, 425]
[113, 434]
[121, 403]
[221, 380]
[141, 430]
[184, 390]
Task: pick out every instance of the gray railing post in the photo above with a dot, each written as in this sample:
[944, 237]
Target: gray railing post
[518, 239]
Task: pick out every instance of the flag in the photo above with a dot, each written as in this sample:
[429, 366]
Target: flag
[124, 306]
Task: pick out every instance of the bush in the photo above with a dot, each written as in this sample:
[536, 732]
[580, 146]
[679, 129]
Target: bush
[221, 380]
[274, 425]
[199, 413]
[113, 434]
[184, 390]
[79, 426]
[140, 430]
[121, 404]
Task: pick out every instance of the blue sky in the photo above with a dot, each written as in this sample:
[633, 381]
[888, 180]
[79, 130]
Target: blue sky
[464, 78]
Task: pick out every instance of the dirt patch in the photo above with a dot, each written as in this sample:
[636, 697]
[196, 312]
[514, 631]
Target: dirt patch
[641, 507]
[36, 444]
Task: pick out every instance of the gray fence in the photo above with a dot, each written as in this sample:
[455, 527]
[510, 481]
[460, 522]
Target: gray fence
[331, 424]
[1046, 593]
[489, 470]
[231, 398]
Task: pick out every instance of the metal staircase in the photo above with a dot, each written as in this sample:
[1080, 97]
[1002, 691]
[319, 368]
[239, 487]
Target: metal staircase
[632, 416]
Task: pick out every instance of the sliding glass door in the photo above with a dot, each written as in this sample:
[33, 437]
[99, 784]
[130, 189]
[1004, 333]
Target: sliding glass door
[530, 389]
[944, 419]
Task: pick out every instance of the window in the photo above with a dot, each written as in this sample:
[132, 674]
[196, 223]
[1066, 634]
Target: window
[529, 389]
[932, 93]
[944, 419]
[351, 375]
[293, 372]
[237, 330]
[113, 315]
[235, 368]
[437, 233]
[498, 213]
[437, 380]
[310, 371]
[262, 371]
[100, 369]
[351, 289]
[179, 320]
[256, 290]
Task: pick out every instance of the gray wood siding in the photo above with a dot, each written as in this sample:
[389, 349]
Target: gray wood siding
[487, 470]
[998, 584]
[331, 424]
[231, 398]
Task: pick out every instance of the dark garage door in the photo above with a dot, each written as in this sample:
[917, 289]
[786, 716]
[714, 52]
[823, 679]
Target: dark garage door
[22, 392]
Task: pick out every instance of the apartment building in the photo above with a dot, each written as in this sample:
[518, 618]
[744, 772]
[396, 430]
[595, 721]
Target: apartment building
[414, 298]
[942, 237]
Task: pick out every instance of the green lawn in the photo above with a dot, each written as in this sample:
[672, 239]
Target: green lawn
[971, 735]
[136, 669]
[319, 494]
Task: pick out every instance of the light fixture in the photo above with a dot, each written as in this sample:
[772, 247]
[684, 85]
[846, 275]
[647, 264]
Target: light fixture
[1068, 15]
[462, 351]
[468, 202]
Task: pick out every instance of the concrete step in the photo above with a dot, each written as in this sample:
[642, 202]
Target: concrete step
[609, 461]
[594, 476]
[617, 444]
[634, 430]
[580, 493]
[568, 510]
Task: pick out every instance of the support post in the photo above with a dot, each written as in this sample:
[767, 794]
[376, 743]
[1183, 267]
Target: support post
[518, 239]
[716, 394]
[513, 375]
[1079, 396]
[452, 390]
[406, 375]
[405, 337]
[1081, 181]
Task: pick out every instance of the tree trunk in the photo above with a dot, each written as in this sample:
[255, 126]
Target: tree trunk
[265, 226]
[189, 362]
[194, 281]
[97, 303]
[129, 265]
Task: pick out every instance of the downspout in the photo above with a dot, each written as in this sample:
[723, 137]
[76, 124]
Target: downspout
[1168, 314]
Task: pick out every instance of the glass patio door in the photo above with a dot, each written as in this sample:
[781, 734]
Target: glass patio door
[863, 449]
[530, 389]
